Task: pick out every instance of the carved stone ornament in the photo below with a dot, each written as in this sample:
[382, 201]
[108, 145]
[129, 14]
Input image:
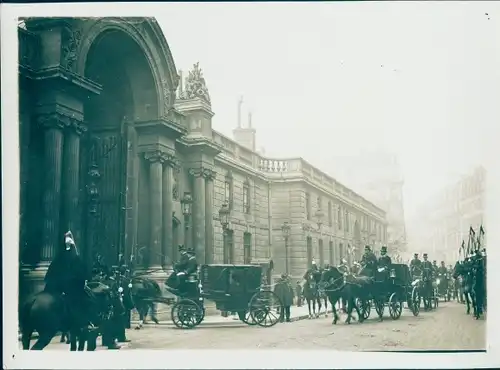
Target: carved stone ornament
[61, 121]
[195, 85]
[156, 156]
[168, 97]
[209, 174]
[70, 43]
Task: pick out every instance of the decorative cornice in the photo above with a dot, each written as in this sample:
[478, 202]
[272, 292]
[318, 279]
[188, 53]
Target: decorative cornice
[205, 172]
[61, 121]
[209, 174]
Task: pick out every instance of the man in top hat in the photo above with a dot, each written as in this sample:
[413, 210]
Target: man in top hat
[186, 266]
[369, 260]
[283, 289]
[384, 260]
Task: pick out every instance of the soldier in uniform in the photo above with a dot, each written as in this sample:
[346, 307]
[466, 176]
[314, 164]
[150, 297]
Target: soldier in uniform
[427, 265]
[415, 265]
[68, 274]
[186, 266]
[435, 267]
[369, 260]
[355, 268]
[343, 267]
[442, 269]
[384, 260]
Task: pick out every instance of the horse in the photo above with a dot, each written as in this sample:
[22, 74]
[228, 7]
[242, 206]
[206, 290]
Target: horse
[464, 272]
[49, 312]
[426, 288]
[338, 286]
[145, 292]
[311, 294]
[375, 281]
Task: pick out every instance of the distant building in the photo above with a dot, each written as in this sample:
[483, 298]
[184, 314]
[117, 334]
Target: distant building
[443, 223]
[378, 177]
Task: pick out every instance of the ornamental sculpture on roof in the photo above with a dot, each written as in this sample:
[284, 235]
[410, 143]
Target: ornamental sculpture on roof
[195, 86]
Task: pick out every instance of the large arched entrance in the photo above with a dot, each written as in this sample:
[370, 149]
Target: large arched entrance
[117, 63]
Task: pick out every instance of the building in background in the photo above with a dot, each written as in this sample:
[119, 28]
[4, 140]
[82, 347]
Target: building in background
[120, 150]
[443, 222]
[378, 177]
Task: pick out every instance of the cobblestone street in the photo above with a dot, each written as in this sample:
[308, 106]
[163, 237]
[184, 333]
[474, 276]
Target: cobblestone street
[447, 328]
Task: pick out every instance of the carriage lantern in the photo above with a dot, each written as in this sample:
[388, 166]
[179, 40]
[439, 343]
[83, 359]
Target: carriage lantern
[92, 190]
[393, 274]
[224, 212]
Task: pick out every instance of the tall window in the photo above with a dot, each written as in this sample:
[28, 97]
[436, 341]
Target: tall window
[319, 202]
[339, 217]
[247, 248]
[309, 251]
[330, 215]
[321, 252]
[308, 206]
[246, 197]
[228, 244]
[331, 257]
[228, 190]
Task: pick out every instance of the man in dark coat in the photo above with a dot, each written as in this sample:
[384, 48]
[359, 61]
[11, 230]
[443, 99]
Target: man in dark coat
[186, 266]
[283, 289]
[384, 260]
[68, 274]
[369, 260]
[427, 266]
[415, 265]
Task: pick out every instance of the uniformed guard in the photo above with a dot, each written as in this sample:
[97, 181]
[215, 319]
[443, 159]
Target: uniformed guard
[427, 265]
[68, 274]
[343, 267]
[186, 266]
[369, 260]
[442, 269]
[355, 268]
[384, 260]
[435, 267]
[416, 265]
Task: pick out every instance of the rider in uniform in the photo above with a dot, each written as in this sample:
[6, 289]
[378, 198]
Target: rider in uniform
[384, 260]
[67, 274]
[427, 265]
[343, 267]
[369, 260]
[415, 264]
[435, 267]
[442, 269]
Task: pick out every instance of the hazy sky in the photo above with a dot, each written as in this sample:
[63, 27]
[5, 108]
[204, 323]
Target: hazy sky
[325, 80]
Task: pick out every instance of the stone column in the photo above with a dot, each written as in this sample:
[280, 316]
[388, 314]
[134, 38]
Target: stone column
[71, 179]
[209, 218]
[54, 139]
[199, 214]
[167, 198]
[154, 255]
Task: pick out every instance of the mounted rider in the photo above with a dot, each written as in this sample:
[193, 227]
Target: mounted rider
[344, 267]
[442, 269]
[67, 274]
[313, 272]
[415, 265]
[435, 267]
[427, 266]
[384, 260]
[369, 260]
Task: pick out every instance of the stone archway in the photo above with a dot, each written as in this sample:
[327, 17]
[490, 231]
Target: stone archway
[137, 86]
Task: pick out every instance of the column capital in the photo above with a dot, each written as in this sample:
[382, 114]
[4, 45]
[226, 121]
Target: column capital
[158, 156]
[205, 172]
[61, 121]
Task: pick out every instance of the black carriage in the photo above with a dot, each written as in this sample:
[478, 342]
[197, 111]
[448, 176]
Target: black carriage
[392, 288]
[235, 289]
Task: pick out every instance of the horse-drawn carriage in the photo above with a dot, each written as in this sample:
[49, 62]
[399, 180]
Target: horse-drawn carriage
[392, 288]
[233, 288]
[424, 289]
[444, 286]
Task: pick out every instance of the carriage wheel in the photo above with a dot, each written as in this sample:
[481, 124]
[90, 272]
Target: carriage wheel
[186, 314]
[379, 307]
[246, 317]
[415, 301]
[265, 308]
[365, 307]
[395, 307]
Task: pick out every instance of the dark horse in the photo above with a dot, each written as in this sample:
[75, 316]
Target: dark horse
[146, 292]
[338, 286]
[472, 282]
[311, 293]
[48, 312]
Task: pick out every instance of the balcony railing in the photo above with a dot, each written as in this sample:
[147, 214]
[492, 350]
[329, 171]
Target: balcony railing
[29, 47]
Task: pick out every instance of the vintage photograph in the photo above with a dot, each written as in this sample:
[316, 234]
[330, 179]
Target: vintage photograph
[240, 176]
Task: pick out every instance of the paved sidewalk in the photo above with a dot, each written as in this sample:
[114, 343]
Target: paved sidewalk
[296, 313]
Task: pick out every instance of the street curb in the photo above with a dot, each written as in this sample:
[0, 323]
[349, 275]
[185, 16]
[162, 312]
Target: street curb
[292, 319]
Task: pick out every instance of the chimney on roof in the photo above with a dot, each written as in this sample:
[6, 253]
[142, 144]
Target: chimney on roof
[240, 103]
[249, 119]
[244, 136]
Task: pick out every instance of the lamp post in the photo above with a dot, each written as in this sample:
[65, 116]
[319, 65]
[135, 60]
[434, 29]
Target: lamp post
[285, 229]
[186, 203]
[93, 200]
[224, 213]
[319, 217]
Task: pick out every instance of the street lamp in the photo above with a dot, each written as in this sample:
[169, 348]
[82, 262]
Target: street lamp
[285, 229]
[186, 203]
[93, 200]
[224, 213]
[319, 216]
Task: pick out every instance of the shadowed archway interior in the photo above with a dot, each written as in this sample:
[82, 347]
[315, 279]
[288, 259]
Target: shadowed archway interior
[128, 94]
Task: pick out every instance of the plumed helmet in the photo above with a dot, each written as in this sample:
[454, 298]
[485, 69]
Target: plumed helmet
[69, 240]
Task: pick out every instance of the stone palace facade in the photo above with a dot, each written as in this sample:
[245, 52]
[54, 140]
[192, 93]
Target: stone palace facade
[113, 145]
